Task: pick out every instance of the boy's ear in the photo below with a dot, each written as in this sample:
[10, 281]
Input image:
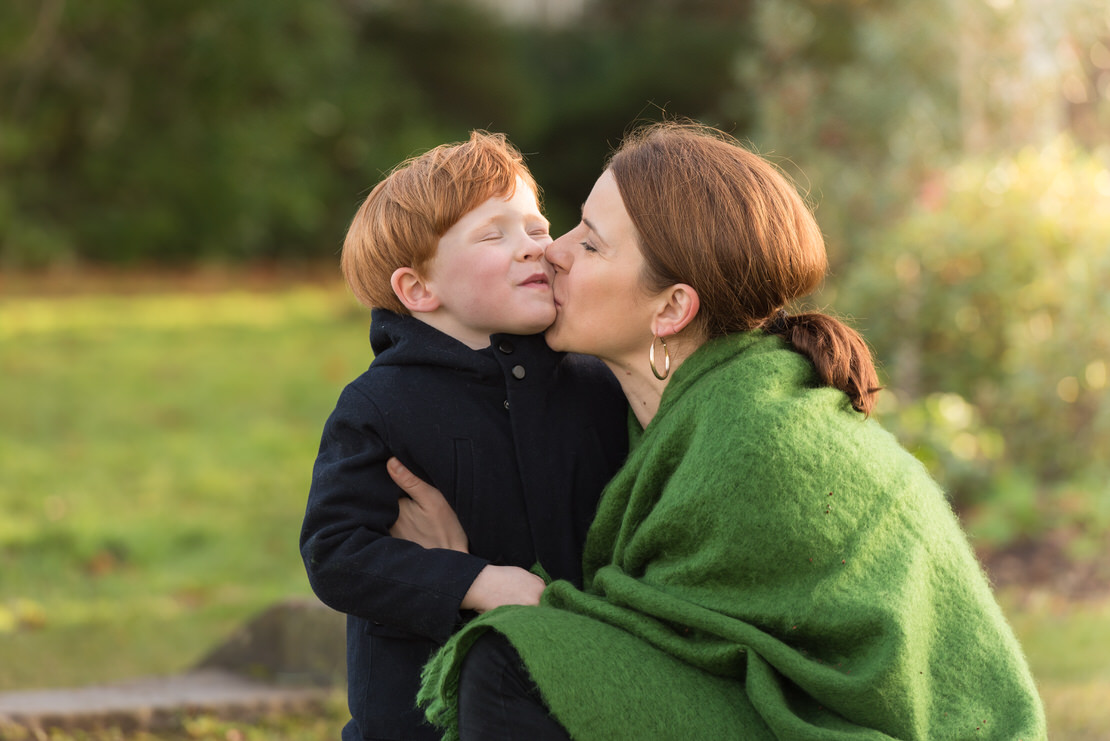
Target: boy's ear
[413, 291]
[679, 305]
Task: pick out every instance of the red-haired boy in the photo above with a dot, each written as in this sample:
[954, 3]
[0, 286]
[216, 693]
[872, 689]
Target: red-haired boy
[447, 251]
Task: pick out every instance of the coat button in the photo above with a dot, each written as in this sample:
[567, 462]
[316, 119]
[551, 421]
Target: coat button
[506, 347]
[506, 403]
[518, 372]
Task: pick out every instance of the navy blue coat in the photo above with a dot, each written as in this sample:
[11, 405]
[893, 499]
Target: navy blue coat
[520, 440]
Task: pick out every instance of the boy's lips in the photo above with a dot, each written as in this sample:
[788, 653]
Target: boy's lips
[538, 279]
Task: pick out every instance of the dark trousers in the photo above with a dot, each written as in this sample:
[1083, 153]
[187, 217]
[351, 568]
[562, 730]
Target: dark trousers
[498, 701]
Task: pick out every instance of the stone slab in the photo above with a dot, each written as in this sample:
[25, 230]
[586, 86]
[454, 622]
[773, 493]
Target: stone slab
[157, 702]
[288, 659]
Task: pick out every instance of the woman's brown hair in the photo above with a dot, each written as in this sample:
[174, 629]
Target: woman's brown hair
[717, 217]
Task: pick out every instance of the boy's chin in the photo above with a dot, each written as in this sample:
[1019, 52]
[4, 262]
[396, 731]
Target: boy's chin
[539, 322]
[536, 328]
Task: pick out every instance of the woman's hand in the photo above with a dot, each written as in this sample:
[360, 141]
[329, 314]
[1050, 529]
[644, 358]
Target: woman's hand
[503, 585]
[425, 516]
[427, 519]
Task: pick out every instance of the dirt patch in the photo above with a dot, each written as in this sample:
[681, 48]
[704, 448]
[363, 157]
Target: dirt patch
[83, 279]
[1047, 565]
[155, 703]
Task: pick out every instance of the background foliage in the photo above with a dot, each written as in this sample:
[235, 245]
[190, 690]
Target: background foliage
[186, 130]
[956, 152]
[986, 303]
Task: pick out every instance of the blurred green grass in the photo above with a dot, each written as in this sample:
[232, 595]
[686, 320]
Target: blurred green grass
[1065, 641]
[155, 455]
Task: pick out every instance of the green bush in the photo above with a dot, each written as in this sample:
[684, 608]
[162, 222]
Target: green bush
[852, 110]
[986, 306]
[171, 132]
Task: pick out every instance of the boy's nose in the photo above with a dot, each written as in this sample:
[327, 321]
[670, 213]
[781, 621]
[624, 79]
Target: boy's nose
[533, 247]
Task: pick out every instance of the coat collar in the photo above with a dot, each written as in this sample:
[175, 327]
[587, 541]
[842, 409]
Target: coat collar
[404, 340]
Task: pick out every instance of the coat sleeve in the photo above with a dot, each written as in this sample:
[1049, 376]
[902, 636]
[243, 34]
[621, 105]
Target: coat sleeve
[353, 564]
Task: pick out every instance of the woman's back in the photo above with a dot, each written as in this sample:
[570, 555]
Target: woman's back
[761, 522]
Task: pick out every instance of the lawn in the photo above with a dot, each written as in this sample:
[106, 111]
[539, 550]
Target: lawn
[155, 453]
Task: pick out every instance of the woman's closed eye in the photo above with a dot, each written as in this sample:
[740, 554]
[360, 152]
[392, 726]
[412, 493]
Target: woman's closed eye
[587, 246]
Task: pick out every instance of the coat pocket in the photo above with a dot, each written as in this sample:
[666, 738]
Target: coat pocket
[388, 708]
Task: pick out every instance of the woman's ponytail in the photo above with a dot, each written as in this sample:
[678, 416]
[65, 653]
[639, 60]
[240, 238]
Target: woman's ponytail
[841, 357]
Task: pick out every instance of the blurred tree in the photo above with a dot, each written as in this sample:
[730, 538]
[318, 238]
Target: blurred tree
[985, 304]
[243, 129]
[1031, 69]
[167, 131]
[626, 64]
[186, 130]
[564, 93]
[455, 61]
[862, 98]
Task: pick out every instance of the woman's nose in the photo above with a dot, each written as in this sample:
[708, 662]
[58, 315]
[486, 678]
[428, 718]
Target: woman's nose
[557, 254]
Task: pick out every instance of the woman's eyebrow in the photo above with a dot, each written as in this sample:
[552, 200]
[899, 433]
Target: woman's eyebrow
[593, 229]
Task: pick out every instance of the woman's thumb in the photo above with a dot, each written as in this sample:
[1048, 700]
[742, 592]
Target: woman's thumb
[402, 476]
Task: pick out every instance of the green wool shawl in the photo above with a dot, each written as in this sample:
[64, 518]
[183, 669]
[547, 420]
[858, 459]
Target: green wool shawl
[769, 564]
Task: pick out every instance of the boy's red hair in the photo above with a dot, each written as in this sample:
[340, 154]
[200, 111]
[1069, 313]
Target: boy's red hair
[401, 221]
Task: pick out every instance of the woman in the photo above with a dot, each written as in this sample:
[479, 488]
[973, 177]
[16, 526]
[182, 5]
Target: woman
[769, 563]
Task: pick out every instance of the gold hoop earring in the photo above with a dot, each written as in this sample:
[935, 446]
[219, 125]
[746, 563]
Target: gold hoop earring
[666, 359]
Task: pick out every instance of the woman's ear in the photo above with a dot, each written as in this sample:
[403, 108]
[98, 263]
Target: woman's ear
[413, 291]
[679, 307]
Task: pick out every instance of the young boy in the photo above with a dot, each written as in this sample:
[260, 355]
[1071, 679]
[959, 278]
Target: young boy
[448, 253]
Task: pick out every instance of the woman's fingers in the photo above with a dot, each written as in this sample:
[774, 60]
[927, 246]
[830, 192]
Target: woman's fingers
[418, 489]
[424, 516]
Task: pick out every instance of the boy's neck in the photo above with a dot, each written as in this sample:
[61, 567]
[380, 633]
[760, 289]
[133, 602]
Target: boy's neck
[445, 323]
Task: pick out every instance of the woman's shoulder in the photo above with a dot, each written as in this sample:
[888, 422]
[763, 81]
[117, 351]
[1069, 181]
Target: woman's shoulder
[769, 396]
[750, 374]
